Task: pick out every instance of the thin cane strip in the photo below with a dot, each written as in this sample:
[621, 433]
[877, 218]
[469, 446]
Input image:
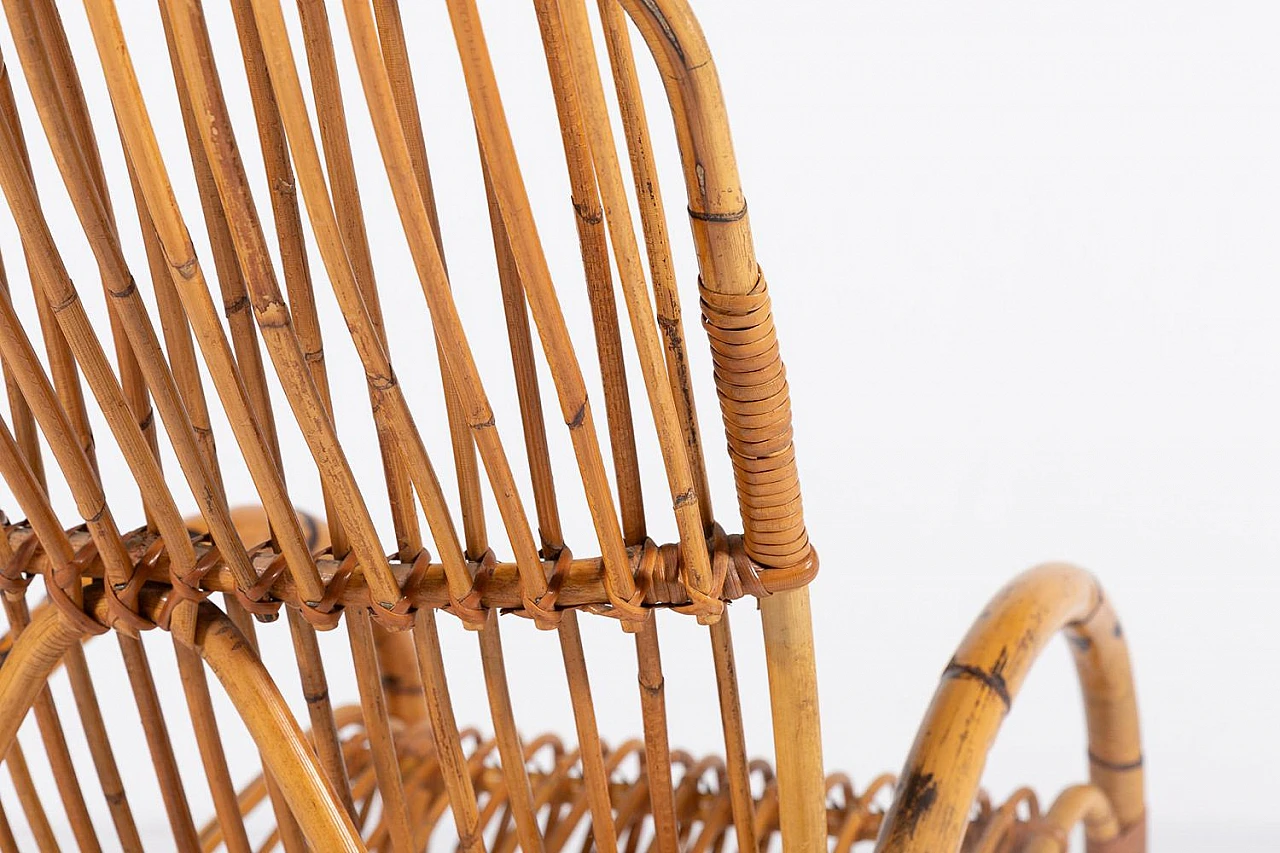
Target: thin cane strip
[104, 760]
[327, 93]
[24, 422]
[399, 74]
[498, 156]
[272, 314]
[29, 798]
[284, 76]
[179, 347]
[572, 16]
[8, 843]
[188, 279]
[528, 392]
[454, 771]
[66, 377]
[288, 225]
[653, 222]
[594, 774]
[396, 61]
[156, 731]
[594, 247]
[519, 792]
[315, 691]
[737, 770]
[225, 803]
[57, 52]
[236, 304]
[78, 170]
[539, 458]
[377, 724]
[657, 748]
[394, 407]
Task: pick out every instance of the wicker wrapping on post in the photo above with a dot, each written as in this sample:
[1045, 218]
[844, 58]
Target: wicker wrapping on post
[752, 385]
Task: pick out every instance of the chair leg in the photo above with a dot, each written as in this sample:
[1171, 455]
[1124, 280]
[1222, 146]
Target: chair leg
[793, 693]
[938, 785]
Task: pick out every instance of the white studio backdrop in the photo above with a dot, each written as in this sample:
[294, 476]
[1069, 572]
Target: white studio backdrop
[1023, 259]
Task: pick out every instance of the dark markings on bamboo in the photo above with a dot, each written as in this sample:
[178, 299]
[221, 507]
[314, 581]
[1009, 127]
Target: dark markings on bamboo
[1116, 766]
[667, 32]
[918, 793]
[993, 680]
[735, 216]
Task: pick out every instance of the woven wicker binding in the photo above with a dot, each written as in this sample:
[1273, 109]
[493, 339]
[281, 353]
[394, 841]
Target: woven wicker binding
[232, 343]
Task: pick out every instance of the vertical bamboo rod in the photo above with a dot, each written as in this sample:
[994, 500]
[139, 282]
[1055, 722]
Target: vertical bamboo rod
[297, 276]
[793, 694]
[594, 247]
[327, 91]
[8, 844]
[212, 755]
[29, 799]
[453, 765]
[188, 280]
[546, 505]
[378, 728]
[156, 731]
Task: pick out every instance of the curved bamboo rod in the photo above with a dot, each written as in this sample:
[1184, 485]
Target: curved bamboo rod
[284, 747]
[940, 779]
[35, 653]
[1077, 805]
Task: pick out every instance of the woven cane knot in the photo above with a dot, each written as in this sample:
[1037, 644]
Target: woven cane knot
[324, 615]
[400, 616]
[468, 607]
[15, 574]
[257, 599]
[61, 580]
[122, 597]
[184, 588]
[543, 609]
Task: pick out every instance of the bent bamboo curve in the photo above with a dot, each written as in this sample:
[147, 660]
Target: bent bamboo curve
[38, 650]
[939, 782]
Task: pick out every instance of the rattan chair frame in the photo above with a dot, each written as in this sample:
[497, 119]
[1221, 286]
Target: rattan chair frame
[409, 752]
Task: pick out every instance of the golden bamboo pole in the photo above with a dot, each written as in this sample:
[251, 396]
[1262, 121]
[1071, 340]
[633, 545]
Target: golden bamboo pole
[940, 778]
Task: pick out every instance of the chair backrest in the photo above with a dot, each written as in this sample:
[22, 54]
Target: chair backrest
[280, 267]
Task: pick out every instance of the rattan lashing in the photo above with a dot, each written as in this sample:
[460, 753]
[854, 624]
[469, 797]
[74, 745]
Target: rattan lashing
[195, 348]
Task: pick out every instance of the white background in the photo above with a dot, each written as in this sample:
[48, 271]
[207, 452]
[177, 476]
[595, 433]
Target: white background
[1024, 261]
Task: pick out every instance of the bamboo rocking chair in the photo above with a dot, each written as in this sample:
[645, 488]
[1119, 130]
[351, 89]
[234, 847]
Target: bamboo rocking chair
[395, 769]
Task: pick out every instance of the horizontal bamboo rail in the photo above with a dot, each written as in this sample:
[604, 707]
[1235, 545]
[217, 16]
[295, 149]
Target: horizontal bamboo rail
[581, 581]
